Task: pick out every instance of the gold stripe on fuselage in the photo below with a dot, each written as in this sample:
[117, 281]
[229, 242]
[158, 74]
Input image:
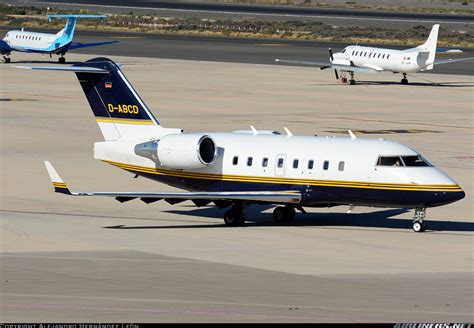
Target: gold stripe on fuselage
[293, 181]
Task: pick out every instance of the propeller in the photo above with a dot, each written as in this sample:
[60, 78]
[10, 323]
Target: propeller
[332, 58]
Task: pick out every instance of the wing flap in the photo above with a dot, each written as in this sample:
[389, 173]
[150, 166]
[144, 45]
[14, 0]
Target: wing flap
[289, 196]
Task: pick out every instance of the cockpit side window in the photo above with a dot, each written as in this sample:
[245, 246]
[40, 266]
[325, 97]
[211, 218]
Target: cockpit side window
[405, 161]
[389, 161]
[414, 161]
[344, 50]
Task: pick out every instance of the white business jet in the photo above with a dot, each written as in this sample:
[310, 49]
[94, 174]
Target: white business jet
[245, 167]
[373, 60]
[47, 43]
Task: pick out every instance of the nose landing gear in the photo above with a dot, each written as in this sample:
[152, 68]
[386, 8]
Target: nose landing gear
[404, 80]
[6, 58]
[418, 224]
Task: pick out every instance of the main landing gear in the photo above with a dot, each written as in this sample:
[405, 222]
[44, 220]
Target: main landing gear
[6, 58]
[235, 216]
[352, 81]
[62, 59]
[418, 224]
[284, 214]
[404, 80]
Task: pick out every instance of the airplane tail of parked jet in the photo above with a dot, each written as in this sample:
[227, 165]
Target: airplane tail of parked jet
[427, 50]
[68, 31]
[117, 107]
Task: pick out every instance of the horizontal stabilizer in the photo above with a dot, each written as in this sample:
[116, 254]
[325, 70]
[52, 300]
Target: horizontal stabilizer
[450, 60]
[75, 16]
[87, 45]
[76, 69]
[177, 197]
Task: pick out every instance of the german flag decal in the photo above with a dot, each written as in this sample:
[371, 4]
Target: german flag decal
[108, 85]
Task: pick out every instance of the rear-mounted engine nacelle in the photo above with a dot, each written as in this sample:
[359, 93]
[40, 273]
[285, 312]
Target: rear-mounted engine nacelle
[180, 151]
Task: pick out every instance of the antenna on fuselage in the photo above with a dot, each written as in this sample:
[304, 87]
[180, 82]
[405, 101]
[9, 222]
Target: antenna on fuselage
[288, 132]
[353, 136]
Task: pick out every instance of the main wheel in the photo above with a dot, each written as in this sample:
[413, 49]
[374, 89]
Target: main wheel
[352, 82]
[424, 225]
[7, 60]
[62, 60]
[289, 214]
[279, 215]
[233, 218]
[404, 81]
[419, 226]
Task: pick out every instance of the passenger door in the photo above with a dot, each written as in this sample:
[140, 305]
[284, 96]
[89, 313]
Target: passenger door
[280, 163]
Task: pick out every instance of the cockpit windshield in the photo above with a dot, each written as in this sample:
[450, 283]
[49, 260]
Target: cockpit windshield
[405, 161]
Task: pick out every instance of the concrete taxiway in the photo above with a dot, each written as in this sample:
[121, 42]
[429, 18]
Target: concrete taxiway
[91, 259]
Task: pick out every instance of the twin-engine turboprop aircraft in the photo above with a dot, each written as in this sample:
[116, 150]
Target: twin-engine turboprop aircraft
[47, 43]
[373, 60]
[243, 167]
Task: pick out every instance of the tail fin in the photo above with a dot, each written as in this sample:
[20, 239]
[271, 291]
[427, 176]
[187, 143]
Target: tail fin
[430, 47]
[68, 30]
[117, 107]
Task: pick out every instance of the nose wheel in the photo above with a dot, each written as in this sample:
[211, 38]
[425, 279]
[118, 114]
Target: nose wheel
[419, 225]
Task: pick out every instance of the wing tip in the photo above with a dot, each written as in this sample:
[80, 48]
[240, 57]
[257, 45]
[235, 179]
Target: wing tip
[58, 183]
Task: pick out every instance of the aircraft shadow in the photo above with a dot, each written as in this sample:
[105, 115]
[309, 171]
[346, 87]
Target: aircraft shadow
[378, 219]
[41, 62]
[420, 84]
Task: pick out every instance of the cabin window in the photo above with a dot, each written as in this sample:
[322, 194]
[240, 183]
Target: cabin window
[235, 160]
[414, 161]
[378, 56]
[295, 163]
[326, 165]
[280, 162]
[249, 161]
[365, 54]
[352, 53]
[310, 164]
[388, 56]
[265, 162]
[341, 166]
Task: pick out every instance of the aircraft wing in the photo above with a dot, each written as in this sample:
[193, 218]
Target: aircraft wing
[78, 45]
[301, 62]
[4, 47]
[321, 65]
[450, 60]
[199, 198]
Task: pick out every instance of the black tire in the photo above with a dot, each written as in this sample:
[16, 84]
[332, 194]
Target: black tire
[290, 214]
[62, 60]
[7, 60]
[279, 215]
[234, 219]
[352, 82]
[404, 81]
[424, 225]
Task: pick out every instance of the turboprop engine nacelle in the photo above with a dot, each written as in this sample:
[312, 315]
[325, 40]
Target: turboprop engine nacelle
[180, 151]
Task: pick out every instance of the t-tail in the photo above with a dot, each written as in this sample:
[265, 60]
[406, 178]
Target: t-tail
[117, 107]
